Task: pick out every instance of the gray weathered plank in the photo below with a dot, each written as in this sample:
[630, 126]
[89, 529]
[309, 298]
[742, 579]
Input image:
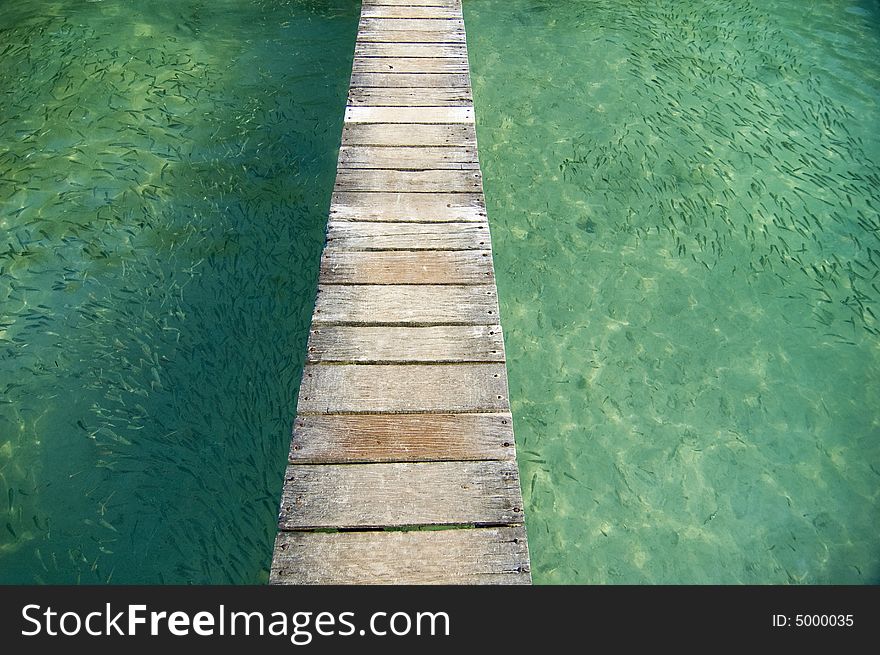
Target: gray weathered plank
[415, 3]
[421, 207]
[403, 304]
[384, 11]
[373, 345]
[409, 65]
[369, 134]
[346, 438]
[410, 388]
[437, 181]
[408, 158]
[411, 97]
[379, 35]
[411, 115]
[340, 266]
[362, 235]
[400, 494]
[446, 80]
[410, 24]
[403, 50]
[478, 556]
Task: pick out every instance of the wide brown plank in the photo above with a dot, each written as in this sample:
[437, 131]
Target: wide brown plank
[437, 181]
[362, 235]
[410, 388]
[462, 557]
[367, 134]
[410, 97]
[406, 267]
[400, 494]
[342, 438]
[384, 11]
[405, 304]
[446, 80]
[404, 207]
[451, 34]
[438, 343]
[427, 50]
[408, 158]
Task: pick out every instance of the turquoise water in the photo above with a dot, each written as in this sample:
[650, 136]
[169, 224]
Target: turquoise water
[684, 203]
[165, 175]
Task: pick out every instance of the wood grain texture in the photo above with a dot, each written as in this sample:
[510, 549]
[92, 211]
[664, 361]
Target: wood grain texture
[402, 304]
[410, 24]
[346, 438]
[403, 207]
[404, 388]
[366, 134]
[451, 34]
[361, 235]
[481, 556]
[400, 494]
[406, 267]
[438, 181]
[409, 65]
[446, 80]
[410, 97]
[439, 343]
[408, 158]
[386, 11]
[412, 115]
[414, 3]
[428, 50]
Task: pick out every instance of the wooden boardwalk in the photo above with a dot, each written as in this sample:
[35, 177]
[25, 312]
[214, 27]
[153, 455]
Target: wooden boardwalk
[402, 466]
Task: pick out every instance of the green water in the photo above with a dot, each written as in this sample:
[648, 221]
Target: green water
[684, 205]
[165, 175]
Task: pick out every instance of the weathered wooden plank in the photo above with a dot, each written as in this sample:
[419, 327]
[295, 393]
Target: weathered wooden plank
[415, 3]
[406, 267]
[408, 158]
[410, 24]
[404, 50]
[383, 11]
[448, 80]
[411, 115]
[400, 494]
[375, 345]
[438, 181]
[410, 65]
[361, 235]
[346, 438]
[396, 97]
[369, 134]
[405, 207]
[379, 35]
[403, 304]
[410, 388]
[477, 556]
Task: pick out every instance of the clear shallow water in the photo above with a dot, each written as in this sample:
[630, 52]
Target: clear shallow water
[684, 201]
[165, 174]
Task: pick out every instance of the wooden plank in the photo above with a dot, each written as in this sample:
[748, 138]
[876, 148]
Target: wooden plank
[379, 35]
[376, 345]
[448, 80]
[381, 11]
[415, 3]
[361, 235]
[477, 556]
[411, 115]
[410, 24]
[403, 304]
[410, 65]
[405, 207]
[400, 494]
[439, 181]
[411, 97]
[448, 134]
[346, 438]
[403, 50]
[408, 158]
[406, 267]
